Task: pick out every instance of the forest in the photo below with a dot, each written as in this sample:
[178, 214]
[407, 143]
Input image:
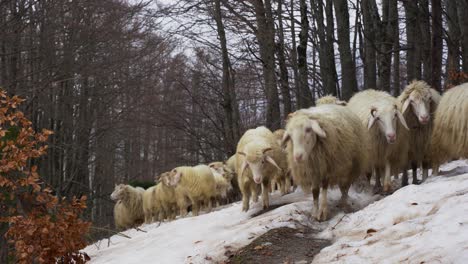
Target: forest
[132, 89]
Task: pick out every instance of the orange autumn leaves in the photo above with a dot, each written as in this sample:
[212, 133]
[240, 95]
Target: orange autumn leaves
[41, 228]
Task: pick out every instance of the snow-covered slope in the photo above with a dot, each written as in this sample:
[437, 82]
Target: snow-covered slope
[428, 222]
[425, 223]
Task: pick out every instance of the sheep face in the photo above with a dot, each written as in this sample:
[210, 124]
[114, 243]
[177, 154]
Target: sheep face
[119, 192]
[257, 161]
[175, 176]
[386, 119]
[420, 104]
[303, 132]
[218, 168]
[165, 179]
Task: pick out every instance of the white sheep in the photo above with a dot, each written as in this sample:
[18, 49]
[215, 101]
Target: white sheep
[148, 204]
[325, 147]
[283, 179]
[450, 132]
[329, 99]
[234, 194]
[387, 139]
[419, 103]
[222, 178]
[128, 211]
[197, 183]
[258, 159]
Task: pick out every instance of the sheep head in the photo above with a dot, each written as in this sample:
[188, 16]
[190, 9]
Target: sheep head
[119, 192]
[257, 160]
[420, 102]
[303, 132]
[174, 177]
[386, 117]
[165, 178]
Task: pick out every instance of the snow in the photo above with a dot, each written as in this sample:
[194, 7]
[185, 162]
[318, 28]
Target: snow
[426, 222]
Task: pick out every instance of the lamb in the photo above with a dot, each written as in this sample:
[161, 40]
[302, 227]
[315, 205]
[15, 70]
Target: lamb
[387, 140]
[197, 183]
[258, 159]
[283, 180]
[329, 99]
[450, 132]
[128, 211]
[419, 102]
[325, 148]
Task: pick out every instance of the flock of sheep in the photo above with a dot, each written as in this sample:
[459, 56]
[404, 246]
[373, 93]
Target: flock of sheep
[331, 144]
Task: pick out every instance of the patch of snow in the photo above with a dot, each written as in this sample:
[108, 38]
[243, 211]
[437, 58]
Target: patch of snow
[425, 223]
[207, 237]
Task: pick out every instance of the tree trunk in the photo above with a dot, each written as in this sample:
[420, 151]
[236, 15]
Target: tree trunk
[453, 44]
[305, 97]
[231, 127]
[395, 31]
[462, 6]
[369, 60]
[436, 45]
[425, 40]
[266, 40]
[348, 67]
[294, 54]
[326, 50]
[280, 51]
[413, 54]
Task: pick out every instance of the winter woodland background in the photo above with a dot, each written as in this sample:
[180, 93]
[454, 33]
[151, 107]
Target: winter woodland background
[134, 88]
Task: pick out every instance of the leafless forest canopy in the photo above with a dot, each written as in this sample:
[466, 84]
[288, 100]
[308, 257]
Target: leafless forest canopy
[134, 88]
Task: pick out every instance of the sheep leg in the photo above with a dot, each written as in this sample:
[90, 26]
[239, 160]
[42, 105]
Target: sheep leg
[387, 183]
[195, 207]
[254, 192]
[210, 205]
[378, 185]
[265, 196]
[425, 170]
[435, 170]
[283, 186]
[287, 184]
[368, 176]
[414, 168]
[323, 210]
[245, 201]
[404, 179]
[315, 194]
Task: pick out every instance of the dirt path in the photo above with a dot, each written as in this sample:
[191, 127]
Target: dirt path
[281, 245]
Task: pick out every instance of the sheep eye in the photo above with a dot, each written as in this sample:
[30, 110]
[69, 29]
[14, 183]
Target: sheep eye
[308, 129]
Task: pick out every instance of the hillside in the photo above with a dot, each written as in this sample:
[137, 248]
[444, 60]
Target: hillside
[418, 223]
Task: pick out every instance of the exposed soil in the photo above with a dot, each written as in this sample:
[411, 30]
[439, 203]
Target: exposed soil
[281, 245]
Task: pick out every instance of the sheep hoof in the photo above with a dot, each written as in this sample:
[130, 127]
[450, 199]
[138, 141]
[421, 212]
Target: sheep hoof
[321, 215]
[377, 189]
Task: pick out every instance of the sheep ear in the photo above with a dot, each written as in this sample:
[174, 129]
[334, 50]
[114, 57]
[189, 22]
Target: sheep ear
[211, 165]
[241, 153]
[265, 150]
[405, 105]
[272, 162]
[402, 119]
[317, 129]
[243, 167]
[372, 118]
[285, 140]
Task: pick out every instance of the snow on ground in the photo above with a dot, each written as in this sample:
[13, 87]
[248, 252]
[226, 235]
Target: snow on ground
[206, 238]
[427, 222]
